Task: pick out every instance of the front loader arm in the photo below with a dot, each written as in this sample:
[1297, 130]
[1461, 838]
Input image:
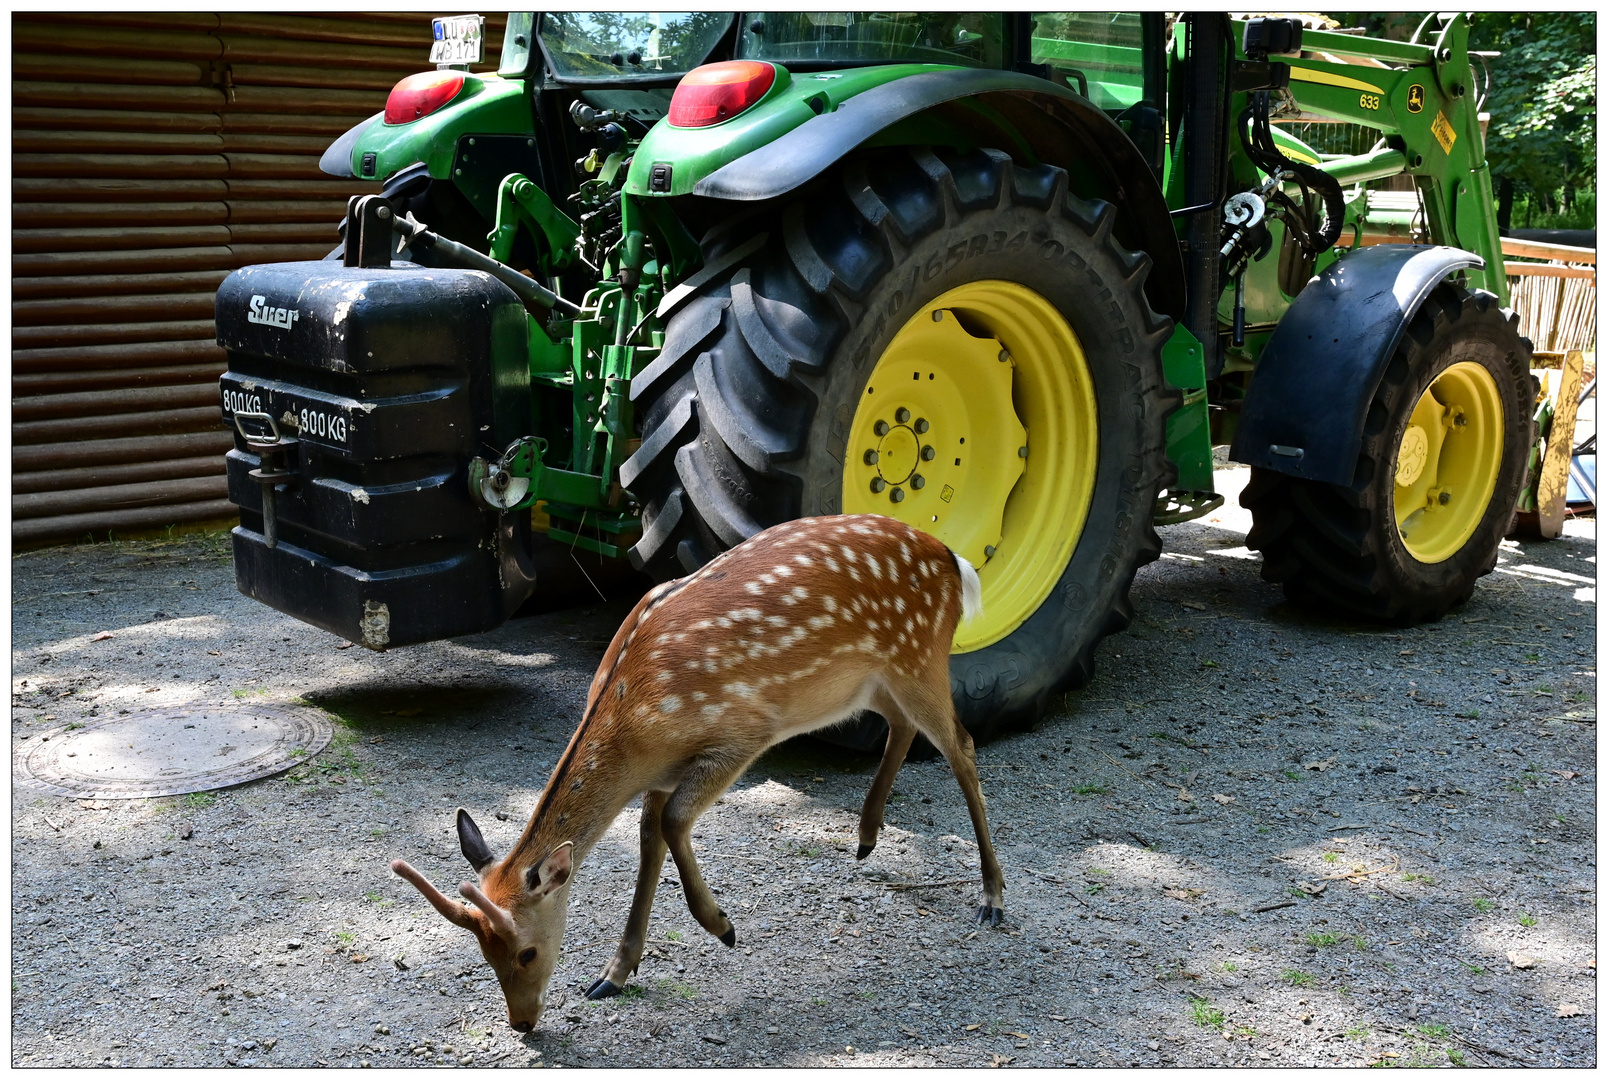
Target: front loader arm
[1426, 111]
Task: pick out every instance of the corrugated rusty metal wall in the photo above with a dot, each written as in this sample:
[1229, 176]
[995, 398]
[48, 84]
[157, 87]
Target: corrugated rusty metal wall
[151, 155]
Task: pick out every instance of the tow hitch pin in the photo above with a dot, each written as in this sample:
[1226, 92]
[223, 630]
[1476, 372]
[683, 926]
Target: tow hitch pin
[273, 452]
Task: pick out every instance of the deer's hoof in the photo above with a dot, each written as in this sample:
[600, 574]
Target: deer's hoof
[601, 989]
[988, 915]
[729, 938]
[865, 849]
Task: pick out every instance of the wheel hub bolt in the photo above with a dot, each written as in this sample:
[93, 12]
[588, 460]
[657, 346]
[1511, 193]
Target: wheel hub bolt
[1445, 497]
[897, 495]
[877, 484]
[928, 453]
[1460, 420]
[918, 481]
[872, 457]
[902, 415]
[1004, 356]
[938, 316]
[1021, 451]
[881, 427]
[988, 552]
[921, 425]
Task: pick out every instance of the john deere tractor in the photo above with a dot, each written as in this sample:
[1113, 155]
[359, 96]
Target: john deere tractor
[667, 279]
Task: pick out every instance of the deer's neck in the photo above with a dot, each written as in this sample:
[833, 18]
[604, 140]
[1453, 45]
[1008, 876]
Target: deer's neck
[586, 792]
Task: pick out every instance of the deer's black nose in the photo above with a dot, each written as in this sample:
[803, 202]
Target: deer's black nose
[521, 1025]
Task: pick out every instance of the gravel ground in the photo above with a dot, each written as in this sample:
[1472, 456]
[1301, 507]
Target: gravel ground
[1174, 841]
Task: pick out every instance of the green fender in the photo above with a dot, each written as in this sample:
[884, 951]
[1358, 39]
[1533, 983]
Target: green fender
[808, 123]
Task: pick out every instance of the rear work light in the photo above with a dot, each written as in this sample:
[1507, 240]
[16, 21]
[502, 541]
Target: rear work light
[715, 92]
[420, 95]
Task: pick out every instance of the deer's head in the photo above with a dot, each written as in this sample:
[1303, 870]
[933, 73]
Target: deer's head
[518, 916]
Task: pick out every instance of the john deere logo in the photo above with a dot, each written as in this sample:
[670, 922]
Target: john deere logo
[1415, 98]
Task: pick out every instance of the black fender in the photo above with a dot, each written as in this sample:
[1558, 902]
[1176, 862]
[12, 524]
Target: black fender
[1005, 109]
[1306, 404]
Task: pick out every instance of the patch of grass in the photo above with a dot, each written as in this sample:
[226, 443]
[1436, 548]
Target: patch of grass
[678, 989]
[1435, 1031]
[1296, 977]
[803, 852]
[1526, 919]
[1291, 774]
[1093, 887]
[345, 937]
[817, 1001]
[1209, 663]
[632, 992]
[1322, 940]
[1358, 1033]
[673, 935]
[1331, 856]
[1456, 1058]
[1482, 905]
[1090, 789]
[1205, 1014]
[1359, 943]
[1244, 1031]
[867, 995]
[1473, 968]
[1262, 830]
[1472, 714]
[1424, 878]
[74, 725]
[198, 800]
[1098, 872]
[1229, 965]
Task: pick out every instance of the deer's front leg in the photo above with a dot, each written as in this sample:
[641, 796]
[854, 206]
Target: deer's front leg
[701, 786]
[634, 940]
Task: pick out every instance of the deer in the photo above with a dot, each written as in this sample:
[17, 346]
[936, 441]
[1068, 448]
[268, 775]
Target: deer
[804, 625]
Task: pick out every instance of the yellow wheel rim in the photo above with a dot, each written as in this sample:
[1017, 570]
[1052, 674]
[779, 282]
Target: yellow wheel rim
[1447, 462]
[978, 425]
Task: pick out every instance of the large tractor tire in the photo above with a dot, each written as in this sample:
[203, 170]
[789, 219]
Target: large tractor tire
[957, 342]
[1443, 454]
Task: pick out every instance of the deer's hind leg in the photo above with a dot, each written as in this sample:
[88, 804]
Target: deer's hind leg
[926, 702]
[635, 939]
[901, 733]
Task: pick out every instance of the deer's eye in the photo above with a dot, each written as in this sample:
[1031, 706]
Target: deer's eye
[527, 956]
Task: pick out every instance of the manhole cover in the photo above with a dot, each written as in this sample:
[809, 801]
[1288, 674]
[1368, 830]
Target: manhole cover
[170, 751]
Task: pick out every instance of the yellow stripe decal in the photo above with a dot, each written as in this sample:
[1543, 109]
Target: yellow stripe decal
[1329, 78]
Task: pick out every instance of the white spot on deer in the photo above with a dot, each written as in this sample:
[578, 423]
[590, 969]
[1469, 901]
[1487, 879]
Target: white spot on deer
[800, 591]
[830, 603]
[664, 676]
[848, 552]
[768, 579]
[789, 600]
[782, 571]
[715, 710]
[804, 561]
[670, 704]
[898, 604]
[854, 575]
[875, 567]
[777, 620]
[699, 695]
[921, 620]
[904, 550]
[893, 569]
[755, 588]
[867, 644]
[861, 529]
[740, 689]
[820, 622]
[832, 564]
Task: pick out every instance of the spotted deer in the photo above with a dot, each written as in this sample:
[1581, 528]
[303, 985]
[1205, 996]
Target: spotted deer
[803, 626]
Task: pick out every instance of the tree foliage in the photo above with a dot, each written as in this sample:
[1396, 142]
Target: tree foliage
[1543, 99]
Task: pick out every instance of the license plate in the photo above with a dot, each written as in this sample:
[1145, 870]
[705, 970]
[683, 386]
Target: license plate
[459, 40]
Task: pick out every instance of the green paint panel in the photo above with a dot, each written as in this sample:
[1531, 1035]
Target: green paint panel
[794, 100]
[486, 105]
[1189, 439]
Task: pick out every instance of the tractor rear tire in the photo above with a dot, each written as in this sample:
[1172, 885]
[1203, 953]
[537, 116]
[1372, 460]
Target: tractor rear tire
[1444, 449]
[757, 407]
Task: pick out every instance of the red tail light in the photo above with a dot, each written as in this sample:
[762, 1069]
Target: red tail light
[420, 95]
[715, 92]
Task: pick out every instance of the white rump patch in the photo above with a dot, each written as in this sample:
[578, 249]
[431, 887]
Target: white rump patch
[971, 590]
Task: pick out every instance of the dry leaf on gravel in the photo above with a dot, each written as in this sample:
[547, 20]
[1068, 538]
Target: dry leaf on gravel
[104, 635]
[1000, 1060]
[1224, 799]
[1312, 888]
[1319, 765]
[1185, 796]
[1521, 960]
[1569, 1008]
[1183, 894]
[1563, 773]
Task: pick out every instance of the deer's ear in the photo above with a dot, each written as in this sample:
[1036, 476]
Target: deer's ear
[472, 843]
[552, 872]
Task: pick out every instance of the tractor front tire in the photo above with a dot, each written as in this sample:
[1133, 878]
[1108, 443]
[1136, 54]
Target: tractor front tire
[954, 341]
[1444, 449]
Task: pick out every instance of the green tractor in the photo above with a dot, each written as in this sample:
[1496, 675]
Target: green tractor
[668, 279]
